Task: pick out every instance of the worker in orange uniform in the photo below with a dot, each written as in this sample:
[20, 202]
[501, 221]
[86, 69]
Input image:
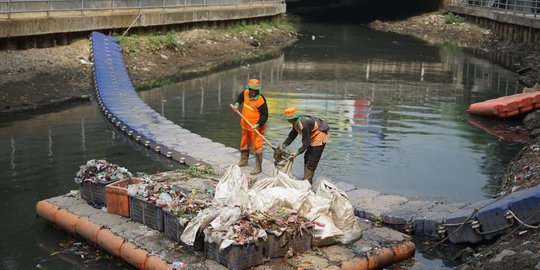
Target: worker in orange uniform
[314, 133]
[254, 109]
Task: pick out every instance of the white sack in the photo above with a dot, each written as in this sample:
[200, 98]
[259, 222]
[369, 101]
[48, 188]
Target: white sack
[232, 189]
[280, 180]
[197, 224]
[278, 197]
[325, 231]
[342, 211]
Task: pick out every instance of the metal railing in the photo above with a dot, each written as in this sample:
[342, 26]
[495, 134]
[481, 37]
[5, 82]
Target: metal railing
[47, 7]
[524, 8]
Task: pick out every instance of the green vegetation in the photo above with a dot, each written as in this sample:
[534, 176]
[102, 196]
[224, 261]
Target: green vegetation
[261, 29]
[198, 170]
[133, 43]
[257, 31]
[451, 18]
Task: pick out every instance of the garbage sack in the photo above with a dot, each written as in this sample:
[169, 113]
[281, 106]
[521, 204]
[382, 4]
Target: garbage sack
[325, 231]
[282, 161]
[277, 197]
[232, 188]
[197, 224]
[280, 180]
[342, 211]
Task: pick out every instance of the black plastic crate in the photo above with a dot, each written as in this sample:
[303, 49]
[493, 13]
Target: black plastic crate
[95, 193]
[174, 227]
[236, 257]
[146, 213]
[278, 246]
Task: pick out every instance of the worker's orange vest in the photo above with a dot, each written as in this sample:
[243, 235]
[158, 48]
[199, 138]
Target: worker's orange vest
[250, 110]
[318, 138]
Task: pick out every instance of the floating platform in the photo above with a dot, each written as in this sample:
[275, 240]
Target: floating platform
[507, 106]
[146, 248]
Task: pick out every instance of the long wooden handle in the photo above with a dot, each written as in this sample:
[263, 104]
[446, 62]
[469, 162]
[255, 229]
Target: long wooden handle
[252, 127]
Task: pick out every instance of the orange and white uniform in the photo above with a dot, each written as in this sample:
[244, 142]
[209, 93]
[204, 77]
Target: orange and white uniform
[256, 111]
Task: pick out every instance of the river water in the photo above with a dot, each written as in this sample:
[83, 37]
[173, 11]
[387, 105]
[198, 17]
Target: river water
[396, 105]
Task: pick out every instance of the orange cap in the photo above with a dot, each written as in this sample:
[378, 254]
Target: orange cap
[291, 113]
[254, 84]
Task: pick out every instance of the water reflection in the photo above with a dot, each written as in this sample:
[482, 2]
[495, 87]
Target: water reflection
[397, 108]
[39, 156]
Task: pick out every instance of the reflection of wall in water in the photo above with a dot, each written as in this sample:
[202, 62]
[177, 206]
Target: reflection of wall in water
[226, 84]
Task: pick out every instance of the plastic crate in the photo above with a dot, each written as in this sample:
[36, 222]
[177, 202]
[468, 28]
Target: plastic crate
[236, 256]
[174, 228]
[117, 196]
[278, 246]
[146, 213]
[94, 193]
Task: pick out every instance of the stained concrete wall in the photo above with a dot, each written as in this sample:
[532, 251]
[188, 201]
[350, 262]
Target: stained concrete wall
[18, 27]
[510, 26]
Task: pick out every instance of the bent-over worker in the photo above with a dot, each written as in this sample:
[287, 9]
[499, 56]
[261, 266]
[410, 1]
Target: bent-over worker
[314, 133]
[254, 109]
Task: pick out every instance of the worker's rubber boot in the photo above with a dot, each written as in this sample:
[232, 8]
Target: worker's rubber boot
[308, 174]
[244, 155]
[258, 164]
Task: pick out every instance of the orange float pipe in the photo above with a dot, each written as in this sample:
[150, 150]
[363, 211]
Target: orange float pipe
[381, 258]
[87, 229]
[357, 263]
[155, 263]
[110, 242]
[46, 210]
[104, 238]
[66, 220]
[403, 251]
[133, 255]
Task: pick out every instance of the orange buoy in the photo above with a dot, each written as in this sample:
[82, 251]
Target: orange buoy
[103, 237]
[507, 106]
[110, 242]
[133, 255]
[46, 210]
[66, 220]
[87, 229]
[356, 263]
[155, 263]
[380, 258]
[403, 251]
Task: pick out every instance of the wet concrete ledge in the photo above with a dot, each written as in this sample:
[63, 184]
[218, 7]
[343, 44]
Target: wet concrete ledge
[459, 222]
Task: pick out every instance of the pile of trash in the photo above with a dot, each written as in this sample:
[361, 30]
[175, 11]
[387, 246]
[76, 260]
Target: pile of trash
[282, 220]
[276, 204]
[233, 225]
[100, 171]
[173, 195]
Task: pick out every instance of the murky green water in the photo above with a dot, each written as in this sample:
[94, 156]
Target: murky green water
[396, 106]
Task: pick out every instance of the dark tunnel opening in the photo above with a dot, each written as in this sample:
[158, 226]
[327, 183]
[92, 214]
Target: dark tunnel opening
[360, 10]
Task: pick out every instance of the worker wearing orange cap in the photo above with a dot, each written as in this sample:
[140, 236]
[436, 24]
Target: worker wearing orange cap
[314, 133]
[255, 110]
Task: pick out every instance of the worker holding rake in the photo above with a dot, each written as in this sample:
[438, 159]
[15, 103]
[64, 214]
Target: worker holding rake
[253, 119]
